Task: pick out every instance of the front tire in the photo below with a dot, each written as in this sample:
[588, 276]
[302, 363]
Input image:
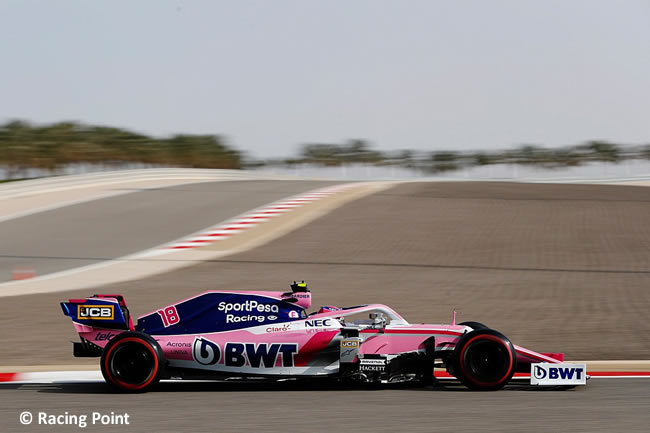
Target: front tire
[474, 325]
[484, 359]
[132, 362]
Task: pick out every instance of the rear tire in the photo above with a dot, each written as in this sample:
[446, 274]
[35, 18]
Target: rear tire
[484, 359]
[132, 362]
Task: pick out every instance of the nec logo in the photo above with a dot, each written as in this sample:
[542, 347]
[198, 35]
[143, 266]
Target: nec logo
[548, 374]
[317, 323]
[96, 312]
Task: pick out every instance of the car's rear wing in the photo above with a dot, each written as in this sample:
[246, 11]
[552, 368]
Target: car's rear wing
[102, 311]
[97, 319]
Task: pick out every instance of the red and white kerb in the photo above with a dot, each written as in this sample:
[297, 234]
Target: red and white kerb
[255, 217]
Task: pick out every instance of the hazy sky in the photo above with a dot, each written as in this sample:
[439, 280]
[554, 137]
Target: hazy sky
[271, 75]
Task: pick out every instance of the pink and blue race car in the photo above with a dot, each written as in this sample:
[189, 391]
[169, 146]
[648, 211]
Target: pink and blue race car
[258, 334]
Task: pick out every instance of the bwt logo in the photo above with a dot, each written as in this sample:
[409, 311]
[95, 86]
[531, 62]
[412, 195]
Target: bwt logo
[205, 351]
[563, 373]
[96, 312]
[265, 355]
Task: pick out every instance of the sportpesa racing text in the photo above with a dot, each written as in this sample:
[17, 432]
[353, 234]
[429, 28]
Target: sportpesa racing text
[250, 306]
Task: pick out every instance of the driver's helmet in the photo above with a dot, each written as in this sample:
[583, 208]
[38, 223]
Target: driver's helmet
[299, 287]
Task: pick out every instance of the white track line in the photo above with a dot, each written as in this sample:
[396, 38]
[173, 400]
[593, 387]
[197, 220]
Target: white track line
[168, 252]
[86, 182]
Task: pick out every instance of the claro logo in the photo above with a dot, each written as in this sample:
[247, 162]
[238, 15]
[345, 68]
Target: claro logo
[96, 312]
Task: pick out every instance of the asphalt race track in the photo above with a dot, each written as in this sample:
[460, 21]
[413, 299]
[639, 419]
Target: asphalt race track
[555, 267]
[99, 230]
[605, 405]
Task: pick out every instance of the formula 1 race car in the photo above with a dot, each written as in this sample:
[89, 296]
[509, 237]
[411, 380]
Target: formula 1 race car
[254, 334]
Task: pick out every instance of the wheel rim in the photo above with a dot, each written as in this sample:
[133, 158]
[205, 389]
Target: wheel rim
[132, 363]
[487, 361]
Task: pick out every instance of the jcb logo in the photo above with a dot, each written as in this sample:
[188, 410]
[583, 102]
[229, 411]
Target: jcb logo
[349, 344]
[96, 312]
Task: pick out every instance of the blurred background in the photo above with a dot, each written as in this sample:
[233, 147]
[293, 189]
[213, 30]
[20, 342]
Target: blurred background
[365, 89]
[30, 151]
[178, 117]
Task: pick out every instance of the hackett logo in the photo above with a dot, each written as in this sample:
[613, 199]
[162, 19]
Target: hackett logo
[96, 312]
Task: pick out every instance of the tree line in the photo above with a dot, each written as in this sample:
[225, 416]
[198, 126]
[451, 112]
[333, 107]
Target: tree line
[50, 147]
[26, 146]
[360, 151]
